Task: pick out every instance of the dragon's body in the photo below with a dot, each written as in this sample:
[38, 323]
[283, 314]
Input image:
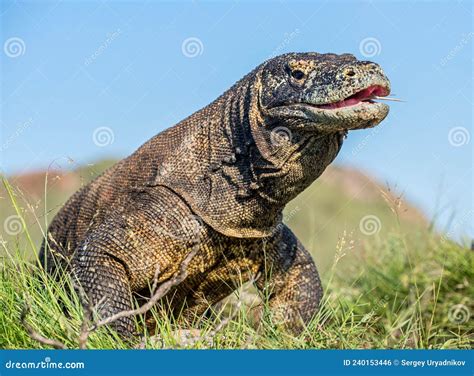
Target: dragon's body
[222, 176]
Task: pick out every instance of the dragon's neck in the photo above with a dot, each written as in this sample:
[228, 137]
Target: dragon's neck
[226, 164]
[280, 163]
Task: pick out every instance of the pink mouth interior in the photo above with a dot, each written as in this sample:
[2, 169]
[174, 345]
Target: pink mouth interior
[360, 96]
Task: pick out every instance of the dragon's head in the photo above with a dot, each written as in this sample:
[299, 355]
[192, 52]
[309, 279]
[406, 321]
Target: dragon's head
[268, 137]
[323, 92]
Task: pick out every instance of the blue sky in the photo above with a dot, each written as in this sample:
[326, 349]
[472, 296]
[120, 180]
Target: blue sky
[72, 69]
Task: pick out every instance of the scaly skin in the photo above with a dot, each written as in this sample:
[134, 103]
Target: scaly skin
[223, 176]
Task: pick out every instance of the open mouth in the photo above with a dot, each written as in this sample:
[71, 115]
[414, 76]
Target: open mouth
[366, 95]
[357, 111]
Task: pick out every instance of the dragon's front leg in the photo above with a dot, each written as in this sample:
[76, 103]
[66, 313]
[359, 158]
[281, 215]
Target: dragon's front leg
[290, 282]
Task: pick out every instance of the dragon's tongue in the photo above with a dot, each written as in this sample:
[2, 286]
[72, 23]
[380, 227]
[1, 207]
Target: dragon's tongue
[356, 98]
[343, 103]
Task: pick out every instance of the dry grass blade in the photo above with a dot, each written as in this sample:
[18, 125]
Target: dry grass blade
[162, 290]
[388, 99]
[88, 317]
[210, 336]
[85, 330]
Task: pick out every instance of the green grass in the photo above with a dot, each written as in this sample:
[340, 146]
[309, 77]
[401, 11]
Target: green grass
[402, 287]
[397, 298]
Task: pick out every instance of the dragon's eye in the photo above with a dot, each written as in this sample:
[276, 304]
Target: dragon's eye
[297, 74]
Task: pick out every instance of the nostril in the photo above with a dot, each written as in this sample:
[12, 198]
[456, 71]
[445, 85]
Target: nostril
[350, 73]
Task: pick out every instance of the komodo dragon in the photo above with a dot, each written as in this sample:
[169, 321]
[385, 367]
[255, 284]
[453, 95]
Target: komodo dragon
[223, 175]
